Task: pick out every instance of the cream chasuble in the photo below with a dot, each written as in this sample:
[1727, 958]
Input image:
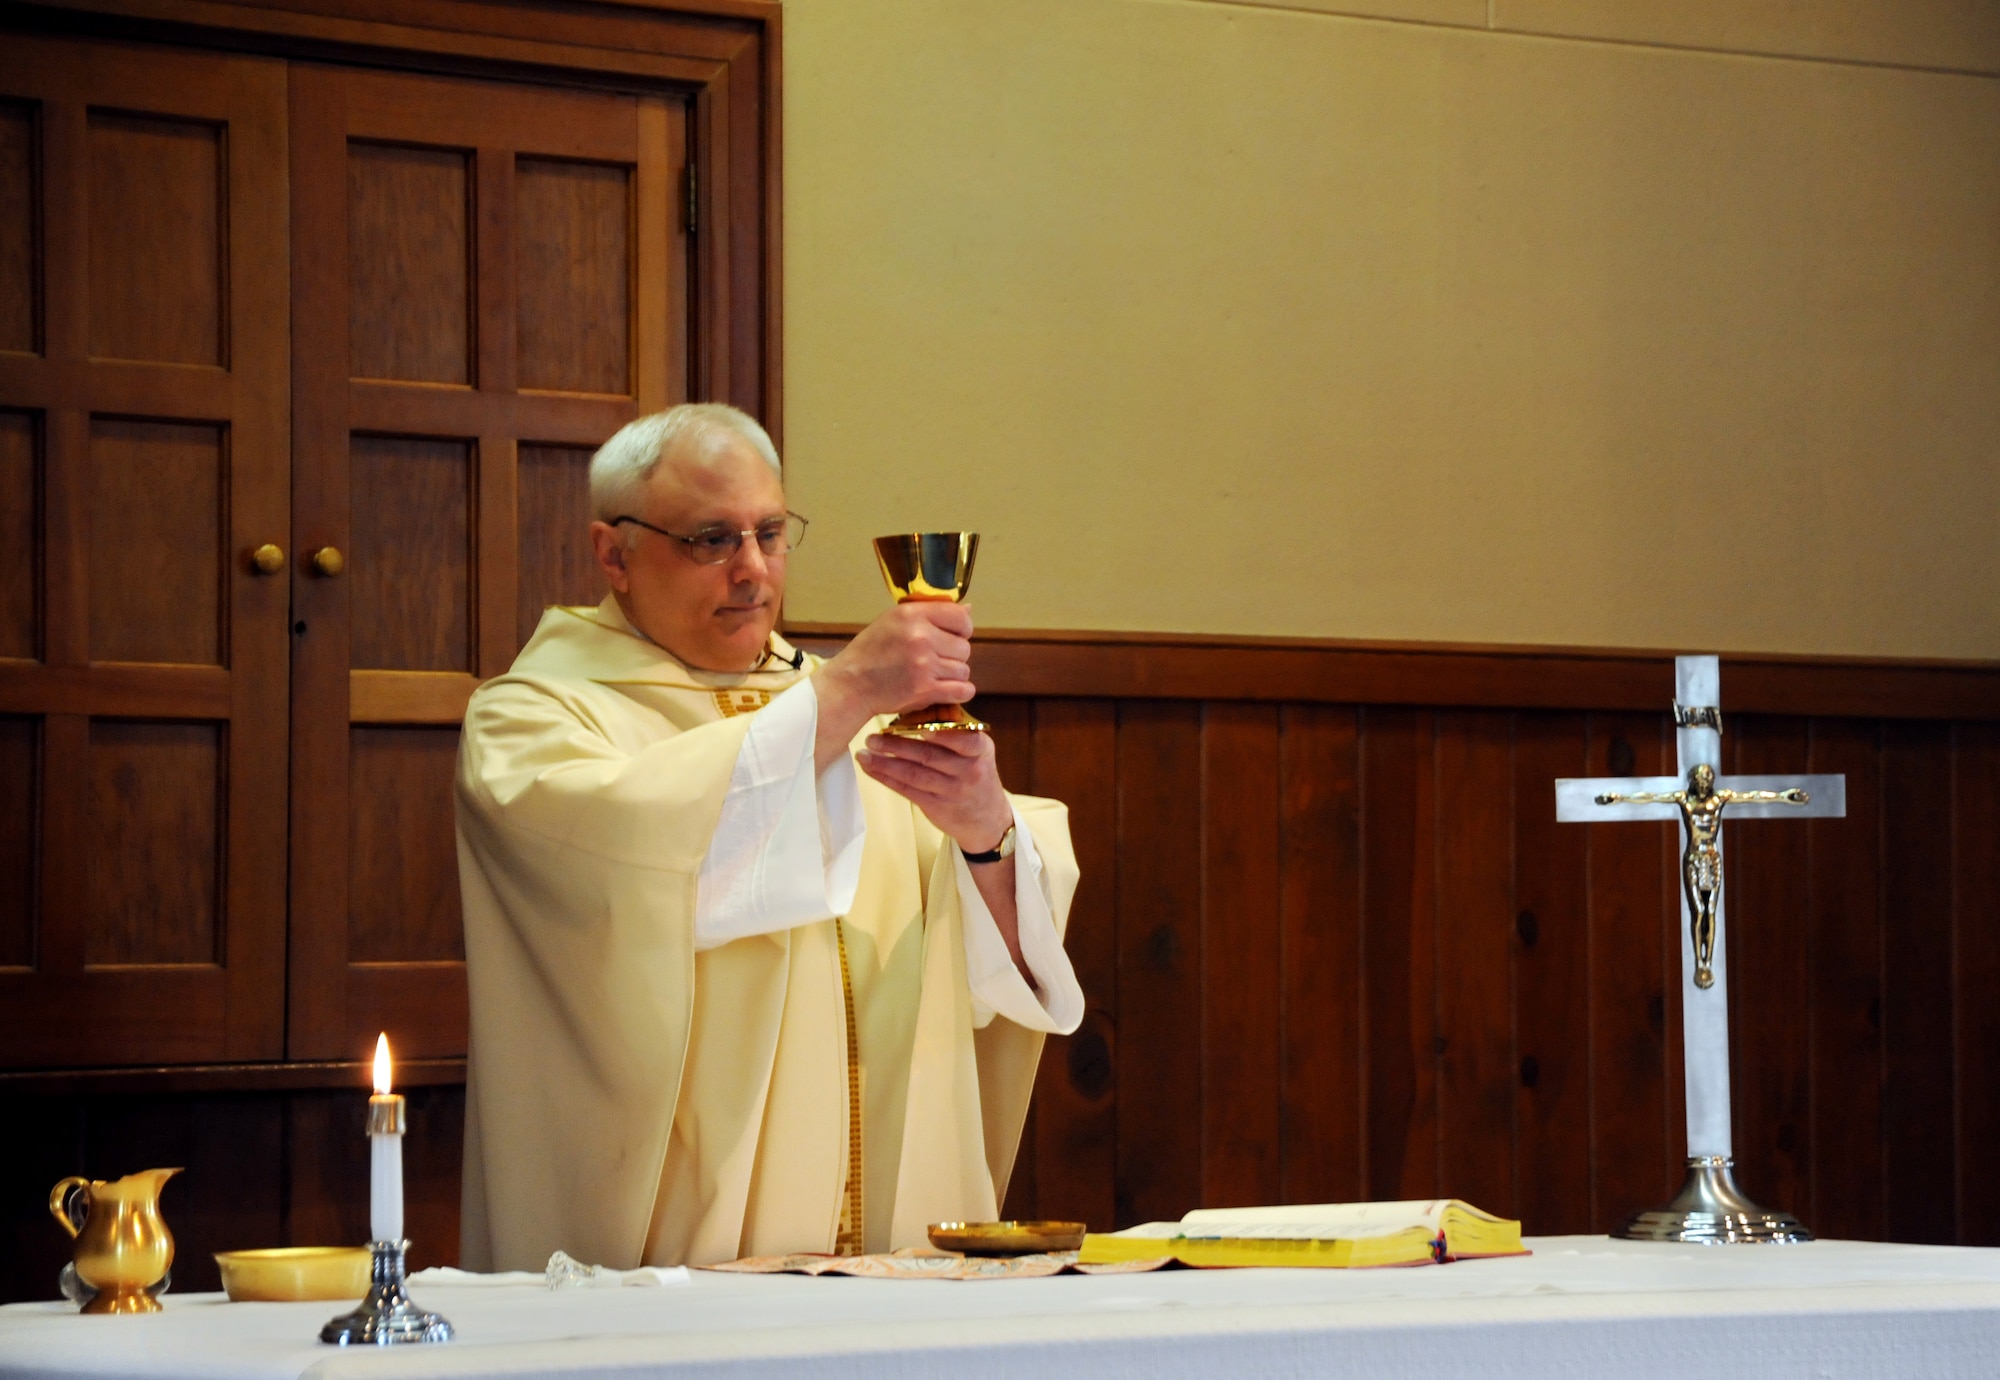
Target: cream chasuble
[632, 1101]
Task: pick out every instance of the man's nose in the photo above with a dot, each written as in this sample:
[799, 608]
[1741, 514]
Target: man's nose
[749, 562]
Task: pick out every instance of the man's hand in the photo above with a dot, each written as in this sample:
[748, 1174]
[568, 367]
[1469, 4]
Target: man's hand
[917, 654]
[951, 777]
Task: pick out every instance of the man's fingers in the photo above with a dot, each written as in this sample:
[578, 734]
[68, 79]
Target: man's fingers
[942, 614]
[912, 779]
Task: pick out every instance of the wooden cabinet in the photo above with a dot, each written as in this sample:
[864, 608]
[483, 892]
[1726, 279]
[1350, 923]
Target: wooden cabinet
[301, 366]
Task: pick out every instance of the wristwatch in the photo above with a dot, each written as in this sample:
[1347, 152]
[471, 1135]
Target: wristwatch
[999, 852]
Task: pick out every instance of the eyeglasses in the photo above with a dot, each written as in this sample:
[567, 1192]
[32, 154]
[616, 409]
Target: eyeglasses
[716, 545]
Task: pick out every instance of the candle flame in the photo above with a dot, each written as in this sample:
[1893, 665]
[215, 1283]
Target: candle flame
[382, 1064]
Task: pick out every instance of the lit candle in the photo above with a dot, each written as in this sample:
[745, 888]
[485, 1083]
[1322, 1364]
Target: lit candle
[385, 1153]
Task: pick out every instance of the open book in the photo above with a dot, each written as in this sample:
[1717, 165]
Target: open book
[1419, 1232]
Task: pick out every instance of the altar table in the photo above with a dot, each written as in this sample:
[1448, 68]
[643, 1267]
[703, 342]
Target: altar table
[1580, 1306]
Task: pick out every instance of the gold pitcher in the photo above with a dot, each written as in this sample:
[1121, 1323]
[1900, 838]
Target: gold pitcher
[124, 1248]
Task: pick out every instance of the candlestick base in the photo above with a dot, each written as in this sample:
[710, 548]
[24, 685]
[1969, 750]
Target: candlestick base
[386, 1317]
[1710, 1210]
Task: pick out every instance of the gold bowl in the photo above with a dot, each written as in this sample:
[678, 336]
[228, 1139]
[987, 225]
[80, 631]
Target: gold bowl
[1006, 1238]
[289, 1274]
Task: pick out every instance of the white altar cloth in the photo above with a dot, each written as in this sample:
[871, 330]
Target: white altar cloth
[1580, 1306]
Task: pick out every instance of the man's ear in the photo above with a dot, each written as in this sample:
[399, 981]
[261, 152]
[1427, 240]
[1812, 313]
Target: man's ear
[608, 543]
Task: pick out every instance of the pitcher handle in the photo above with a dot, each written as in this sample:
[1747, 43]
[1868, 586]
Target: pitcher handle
[59, 1201]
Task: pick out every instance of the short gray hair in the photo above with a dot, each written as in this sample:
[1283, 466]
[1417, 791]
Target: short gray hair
[623, 464]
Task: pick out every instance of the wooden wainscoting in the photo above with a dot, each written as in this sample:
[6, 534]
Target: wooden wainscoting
[1336, 946]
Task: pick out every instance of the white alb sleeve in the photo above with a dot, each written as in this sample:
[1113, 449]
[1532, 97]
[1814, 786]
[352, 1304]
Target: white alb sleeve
[997, 985]
[787, 847]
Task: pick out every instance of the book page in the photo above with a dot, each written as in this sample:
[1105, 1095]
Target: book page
[1317, 1221]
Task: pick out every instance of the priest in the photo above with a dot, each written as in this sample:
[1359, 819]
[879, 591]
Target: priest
[747, 976]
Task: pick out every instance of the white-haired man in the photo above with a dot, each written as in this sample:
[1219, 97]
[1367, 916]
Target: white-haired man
[728, 997]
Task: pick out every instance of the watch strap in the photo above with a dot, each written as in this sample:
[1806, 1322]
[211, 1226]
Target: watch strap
[999, 852]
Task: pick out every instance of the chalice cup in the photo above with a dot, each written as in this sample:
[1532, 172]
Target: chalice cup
[932, 566]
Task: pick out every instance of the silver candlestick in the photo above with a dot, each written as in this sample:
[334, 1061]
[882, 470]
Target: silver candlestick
[1711, 1210]
[386, 1317]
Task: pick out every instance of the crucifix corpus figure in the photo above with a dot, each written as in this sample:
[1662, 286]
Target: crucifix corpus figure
[1709, 1208]
[1701, 804]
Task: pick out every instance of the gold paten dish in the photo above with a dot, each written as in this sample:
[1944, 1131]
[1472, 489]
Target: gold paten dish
[288, 1274]
[1006, 1238]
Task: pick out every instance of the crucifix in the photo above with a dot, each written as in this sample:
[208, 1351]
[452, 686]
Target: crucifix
[1709, 1208]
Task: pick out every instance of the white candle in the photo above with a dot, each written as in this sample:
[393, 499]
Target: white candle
[385, 1153]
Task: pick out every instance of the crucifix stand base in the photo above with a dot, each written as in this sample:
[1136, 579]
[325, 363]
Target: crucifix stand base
[1710, 1210]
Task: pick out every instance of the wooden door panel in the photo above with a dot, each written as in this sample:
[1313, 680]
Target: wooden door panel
[142, 457]
[402, 850]
[154, 843]
[156, 246]
[515, 318]
[409, 263]
[572, 256]
[157, 586]
[20, 567]
[20, 753]
[557, 565]
[411, 552]
[18, 293]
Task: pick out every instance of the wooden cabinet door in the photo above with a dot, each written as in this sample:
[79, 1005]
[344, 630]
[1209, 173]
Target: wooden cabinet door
[143, 382]
[488, 281]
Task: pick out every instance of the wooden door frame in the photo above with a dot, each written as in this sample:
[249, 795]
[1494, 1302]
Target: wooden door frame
[724, 55]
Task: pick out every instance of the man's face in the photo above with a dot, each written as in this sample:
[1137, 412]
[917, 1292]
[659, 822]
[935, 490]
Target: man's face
[712, 617]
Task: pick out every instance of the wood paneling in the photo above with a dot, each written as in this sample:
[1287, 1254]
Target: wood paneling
[159, 402]
[450, 533]
[154, 845]
[1159, 1128]
[1399, 954]
[1634, 878]
[19, 790]
[1551, 952]
[20, 212]
[557, 564]
[1319, 966]
[1919, 1066]
[285, 1168]
[1076, 1092]
[20, 531]
[1239, 942]
[572, 256]
[411, 574]
[1843, 910]
[157, 225]
[1976, 919]
[156, 587]
[402, 896]
[1476, 1000]
[409, 263]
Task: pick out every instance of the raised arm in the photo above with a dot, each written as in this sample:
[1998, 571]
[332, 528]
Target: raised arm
[1794, 796]
[1643, 798]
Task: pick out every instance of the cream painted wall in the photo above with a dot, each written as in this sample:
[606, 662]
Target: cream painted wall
[1214, 317]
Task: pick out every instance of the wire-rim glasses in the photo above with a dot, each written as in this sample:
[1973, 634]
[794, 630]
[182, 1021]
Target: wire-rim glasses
[778, 536]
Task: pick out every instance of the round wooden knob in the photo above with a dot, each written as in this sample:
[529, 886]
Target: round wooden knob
[328, 561]
[268, 559]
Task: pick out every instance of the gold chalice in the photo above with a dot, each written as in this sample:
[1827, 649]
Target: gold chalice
[930, 566]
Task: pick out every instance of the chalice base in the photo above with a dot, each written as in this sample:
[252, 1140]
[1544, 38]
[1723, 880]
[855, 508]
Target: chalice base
[122, 1299]
[939, 718]
[1710, 1210]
